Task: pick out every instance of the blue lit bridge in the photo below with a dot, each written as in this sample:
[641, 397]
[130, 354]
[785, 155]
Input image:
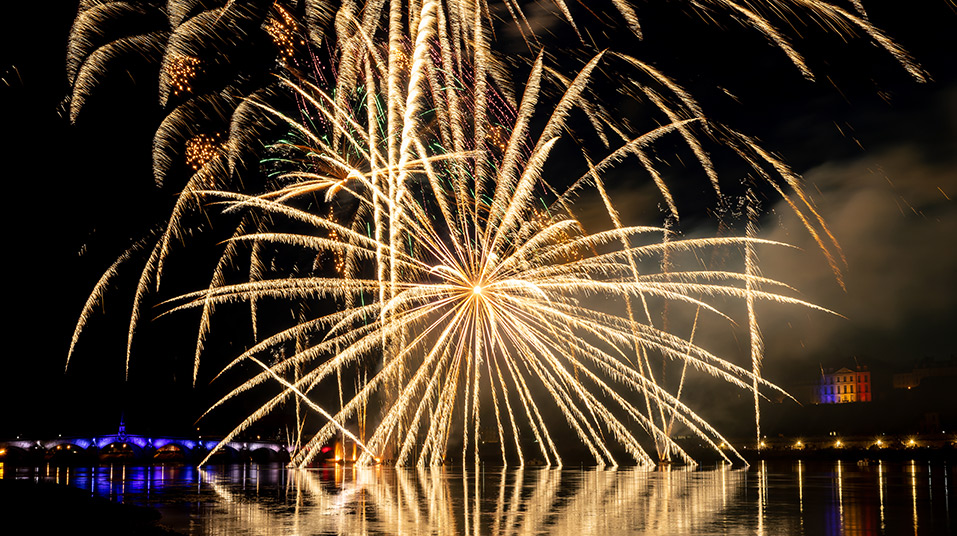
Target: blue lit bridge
[122, 447]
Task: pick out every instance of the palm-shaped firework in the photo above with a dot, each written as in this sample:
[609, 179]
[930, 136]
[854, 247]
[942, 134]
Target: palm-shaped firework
[211, 55]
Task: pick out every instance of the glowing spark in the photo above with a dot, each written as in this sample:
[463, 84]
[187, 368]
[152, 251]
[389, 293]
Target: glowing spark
[202, 148]
[182, 70]
[283, 31]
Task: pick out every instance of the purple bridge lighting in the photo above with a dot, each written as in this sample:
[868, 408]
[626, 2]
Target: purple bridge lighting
[139, 446]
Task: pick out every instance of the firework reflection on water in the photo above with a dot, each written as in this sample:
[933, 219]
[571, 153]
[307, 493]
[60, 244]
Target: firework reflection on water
[774, 498]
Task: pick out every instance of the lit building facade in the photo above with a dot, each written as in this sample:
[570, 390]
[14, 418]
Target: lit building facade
[844, 385]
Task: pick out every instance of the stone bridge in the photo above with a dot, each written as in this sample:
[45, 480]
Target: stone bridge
[122, 446]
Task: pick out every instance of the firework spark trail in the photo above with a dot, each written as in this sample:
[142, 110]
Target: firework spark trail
[311, 404]
[96, 296]
[754, 331]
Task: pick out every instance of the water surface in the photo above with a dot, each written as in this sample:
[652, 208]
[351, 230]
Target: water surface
[819, 498]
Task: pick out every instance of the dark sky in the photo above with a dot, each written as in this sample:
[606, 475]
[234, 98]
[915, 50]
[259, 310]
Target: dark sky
[878, 150]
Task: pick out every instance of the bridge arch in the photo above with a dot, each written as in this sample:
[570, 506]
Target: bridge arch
[66, 452]
[172, 452]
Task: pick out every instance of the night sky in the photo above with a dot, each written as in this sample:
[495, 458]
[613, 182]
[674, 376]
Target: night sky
[877, 149]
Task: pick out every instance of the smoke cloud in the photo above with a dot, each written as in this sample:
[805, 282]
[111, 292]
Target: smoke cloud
[894, 212]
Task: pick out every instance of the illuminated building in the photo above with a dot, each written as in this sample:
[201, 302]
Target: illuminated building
[844, 385]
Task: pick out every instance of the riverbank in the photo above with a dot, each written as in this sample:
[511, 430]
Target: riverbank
[921, 447]
[864, 456]
[29, 507]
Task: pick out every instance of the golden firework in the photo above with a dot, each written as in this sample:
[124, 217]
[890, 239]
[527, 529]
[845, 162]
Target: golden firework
[182, 70]
[202, 148]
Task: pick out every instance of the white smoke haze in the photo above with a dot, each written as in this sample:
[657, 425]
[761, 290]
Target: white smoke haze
[893, 210]
[894, 213]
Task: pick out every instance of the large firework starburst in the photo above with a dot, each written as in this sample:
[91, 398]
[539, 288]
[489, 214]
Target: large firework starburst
[472, 301]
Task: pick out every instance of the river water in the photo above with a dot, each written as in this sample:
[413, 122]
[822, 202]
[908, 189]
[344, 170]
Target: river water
[780, 498]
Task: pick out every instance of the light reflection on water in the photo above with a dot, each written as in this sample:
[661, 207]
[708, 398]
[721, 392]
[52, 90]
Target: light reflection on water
[830, 498]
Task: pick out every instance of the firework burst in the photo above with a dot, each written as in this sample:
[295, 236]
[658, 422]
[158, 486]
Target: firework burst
[476, 303]
[469, 299]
